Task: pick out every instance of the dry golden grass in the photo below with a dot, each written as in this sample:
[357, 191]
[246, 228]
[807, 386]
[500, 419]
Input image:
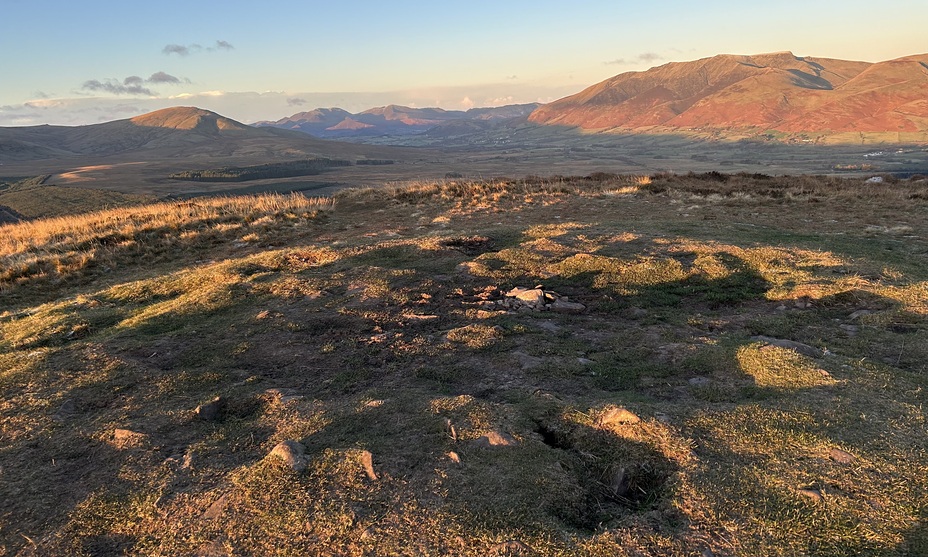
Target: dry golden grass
[55, 249]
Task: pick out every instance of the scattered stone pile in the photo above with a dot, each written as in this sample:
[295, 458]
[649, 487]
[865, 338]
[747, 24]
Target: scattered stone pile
[539, 299]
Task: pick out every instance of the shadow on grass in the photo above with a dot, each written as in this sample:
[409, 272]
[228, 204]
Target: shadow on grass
[916, 537]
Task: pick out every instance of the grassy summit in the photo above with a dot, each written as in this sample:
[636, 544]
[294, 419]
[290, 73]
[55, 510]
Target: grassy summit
[723, 364]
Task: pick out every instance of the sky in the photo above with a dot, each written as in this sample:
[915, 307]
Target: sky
[73, 62]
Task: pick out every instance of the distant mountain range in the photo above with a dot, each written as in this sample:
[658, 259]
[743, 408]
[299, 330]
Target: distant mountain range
[767, 97]
[171, 133]
[777, 96]
[390, 120]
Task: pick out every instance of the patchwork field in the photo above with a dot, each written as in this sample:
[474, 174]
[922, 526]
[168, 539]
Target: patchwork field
[651, 365]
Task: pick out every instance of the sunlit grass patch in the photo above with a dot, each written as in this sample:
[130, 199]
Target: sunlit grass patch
[475, 336]
[553, 230]
[780, 368]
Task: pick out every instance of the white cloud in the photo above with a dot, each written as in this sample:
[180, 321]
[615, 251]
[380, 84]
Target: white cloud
[254, 106]
[500, 101]
[43, 103]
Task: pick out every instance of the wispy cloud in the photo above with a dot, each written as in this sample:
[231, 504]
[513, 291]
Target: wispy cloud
[296, 101]
[194, 48]
[211, 94]
[498, 101]
[180, 49]
[512, 77]
[162, 77]
[112, 86]
[643, 57]
[44, 104]
[132, 85]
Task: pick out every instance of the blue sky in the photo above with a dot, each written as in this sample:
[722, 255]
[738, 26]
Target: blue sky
[80, 61]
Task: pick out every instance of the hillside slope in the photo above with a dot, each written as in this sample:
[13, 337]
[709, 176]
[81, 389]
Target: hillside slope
[713, 364]
[756, 95]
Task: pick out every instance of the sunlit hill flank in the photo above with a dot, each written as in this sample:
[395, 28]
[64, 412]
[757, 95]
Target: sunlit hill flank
[776, 95]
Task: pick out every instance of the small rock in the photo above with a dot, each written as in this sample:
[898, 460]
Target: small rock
[534, 297]
[618, 486]
[546, 325]
[874, 180]
[212, 410]
[616, 415]
[561, 306]
[215, 510]
[495, 439]
[851, 330]
[585, 361]
[811, 493]
[841, 457]
[799, 347]
[699, 381]
[638, 313]
[858, 314]
[367, 461]
[526, 361]
[803, 303]
[292, 453]
[67, 410]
